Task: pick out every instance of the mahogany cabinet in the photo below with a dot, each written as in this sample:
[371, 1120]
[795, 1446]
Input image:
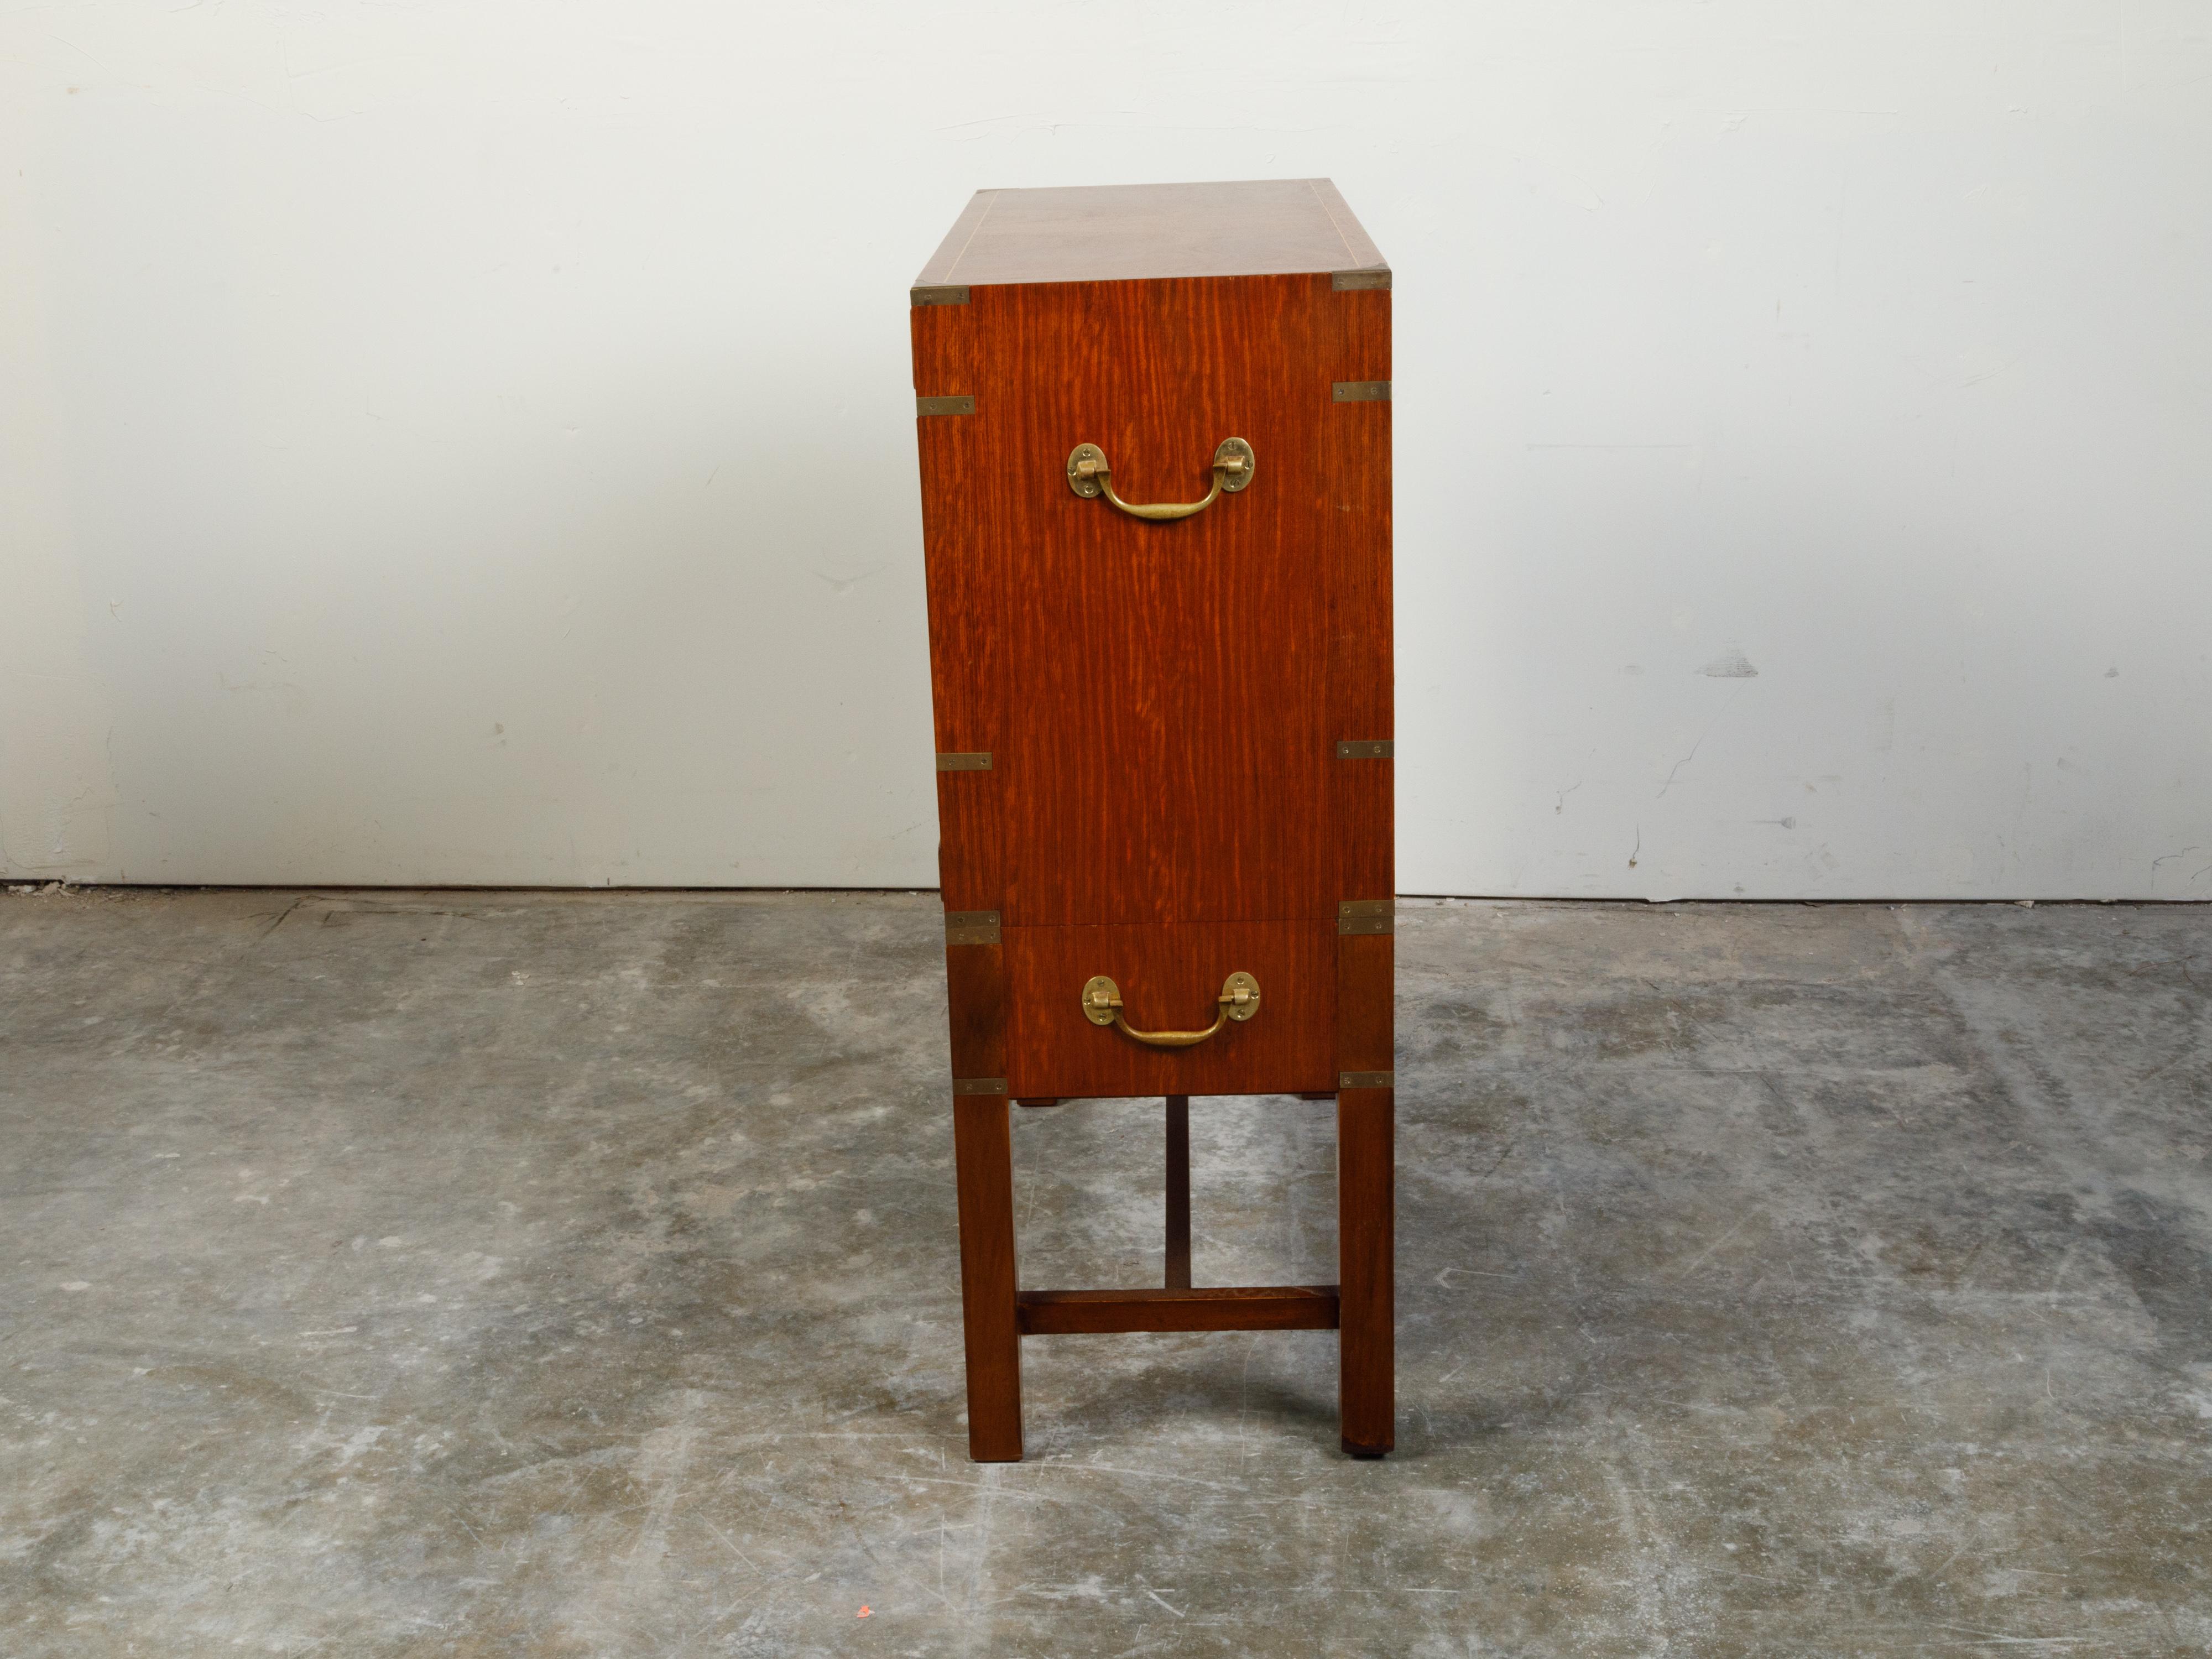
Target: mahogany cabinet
[1154, 443]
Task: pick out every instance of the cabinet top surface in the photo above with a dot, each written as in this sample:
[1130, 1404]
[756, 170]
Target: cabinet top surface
[1122, 233]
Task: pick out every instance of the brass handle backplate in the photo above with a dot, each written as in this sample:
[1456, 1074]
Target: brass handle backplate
[1088, 476]
[1239, 1000]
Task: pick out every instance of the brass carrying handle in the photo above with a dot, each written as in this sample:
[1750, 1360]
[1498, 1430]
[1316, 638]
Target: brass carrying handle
[1088, 476]
[1239, 1000]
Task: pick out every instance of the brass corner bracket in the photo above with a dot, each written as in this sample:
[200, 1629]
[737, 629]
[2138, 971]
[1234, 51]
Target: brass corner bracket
[1367, 916]
[971, 927]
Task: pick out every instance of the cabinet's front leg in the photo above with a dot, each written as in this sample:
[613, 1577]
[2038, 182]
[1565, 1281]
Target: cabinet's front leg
[982, 1148]
[1366, 1262]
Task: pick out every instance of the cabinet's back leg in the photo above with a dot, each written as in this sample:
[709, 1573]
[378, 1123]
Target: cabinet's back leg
[1178, 1192]
[983, 1153]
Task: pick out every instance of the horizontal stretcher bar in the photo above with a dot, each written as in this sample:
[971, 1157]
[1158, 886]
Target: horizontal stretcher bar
[1242, 1308]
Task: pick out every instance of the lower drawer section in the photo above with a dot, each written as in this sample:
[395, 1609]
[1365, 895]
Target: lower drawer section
[1170, 975]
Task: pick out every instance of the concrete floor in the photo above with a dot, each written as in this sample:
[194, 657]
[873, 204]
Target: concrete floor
[484, 1274]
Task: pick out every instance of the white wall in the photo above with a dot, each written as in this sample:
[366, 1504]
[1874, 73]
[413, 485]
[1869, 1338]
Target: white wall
[471, 442]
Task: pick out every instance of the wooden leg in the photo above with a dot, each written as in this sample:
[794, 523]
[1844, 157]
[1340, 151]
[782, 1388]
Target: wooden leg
[1366, 1251]
[1178, 1192]
[983, 1153]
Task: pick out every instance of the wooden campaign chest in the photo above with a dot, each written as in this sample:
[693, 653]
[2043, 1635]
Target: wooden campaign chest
[1155, 441]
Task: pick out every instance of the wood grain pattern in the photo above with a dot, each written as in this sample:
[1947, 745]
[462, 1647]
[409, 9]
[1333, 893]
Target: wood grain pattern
[1127, 233]
[1167, 705]
[1169, 976]
[1244, 1308]
[983, 1155]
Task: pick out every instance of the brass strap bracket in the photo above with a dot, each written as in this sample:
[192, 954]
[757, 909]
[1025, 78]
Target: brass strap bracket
[977, 760]
[1367, 749]
[1359, 392]
[1365, 1079]
[971, 927]
[1239, 1000]
[950, 293]
[1367, 916]
[979, 1085]
[961, 406]
[1089, 475]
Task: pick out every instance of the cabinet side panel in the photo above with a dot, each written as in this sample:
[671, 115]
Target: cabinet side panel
[1357, 472]
[1167, 719]
[1360, 706]
[965, 587]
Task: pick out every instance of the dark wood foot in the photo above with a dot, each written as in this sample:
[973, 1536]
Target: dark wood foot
[983, 1153]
